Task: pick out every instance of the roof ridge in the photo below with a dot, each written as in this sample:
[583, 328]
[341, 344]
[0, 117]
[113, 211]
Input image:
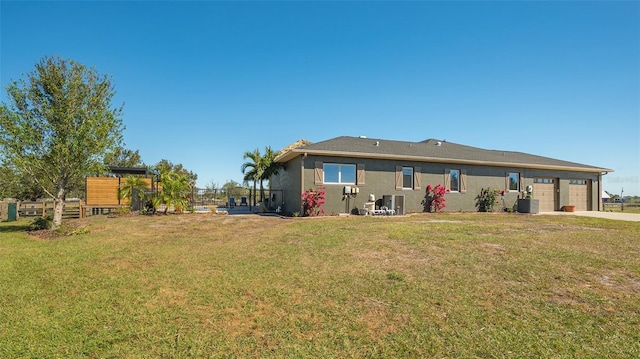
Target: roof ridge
[432, 150]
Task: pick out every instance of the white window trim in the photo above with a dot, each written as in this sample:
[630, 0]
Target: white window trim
[412, 184]
[340, 165]
[451, 190]
[517, 190]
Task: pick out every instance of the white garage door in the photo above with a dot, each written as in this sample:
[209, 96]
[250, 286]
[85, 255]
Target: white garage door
[544, 189]
[579, 194]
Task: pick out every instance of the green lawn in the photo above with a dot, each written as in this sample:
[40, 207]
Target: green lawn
[429, 285]
[628, 207]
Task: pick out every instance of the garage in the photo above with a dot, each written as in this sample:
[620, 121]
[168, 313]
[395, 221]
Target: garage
[579, 194]
[544, 189]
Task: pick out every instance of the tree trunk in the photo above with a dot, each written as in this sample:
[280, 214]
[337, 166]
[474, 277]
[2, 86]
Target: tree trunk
[261, 192]
[58, 209]
[254, 193]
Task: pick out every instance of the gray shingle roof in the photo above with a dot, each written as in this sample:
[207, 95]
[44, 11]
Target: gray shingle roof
[431, 151]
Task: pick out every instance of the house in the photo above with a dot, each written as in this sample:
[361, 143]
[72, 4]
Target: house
[395, 174]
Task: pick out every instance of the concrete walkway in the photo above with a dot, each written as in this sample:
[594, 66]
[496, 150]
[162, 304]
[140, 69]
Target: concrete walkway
[620, 216]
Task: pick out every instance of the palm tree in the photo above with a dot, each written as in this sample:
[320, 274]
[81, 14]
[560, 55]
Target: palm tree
[253, 169]
[133, 185]
[175, 190]
[271, 168]
[260, 168]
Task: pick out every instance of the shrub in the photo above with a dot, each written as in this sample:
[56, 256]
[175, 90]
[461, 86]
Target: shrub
[312, 201]
[120, 211]
[434, 198]
[79, 231]
[40, 223]
[487, 199]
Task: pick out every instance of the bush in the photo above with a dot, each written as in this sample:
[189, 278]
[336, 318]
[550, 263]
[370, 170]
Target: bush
[78, 231]
[312, 202]
[487, 199]
[120, 211]
[41, 223]
[434, 198]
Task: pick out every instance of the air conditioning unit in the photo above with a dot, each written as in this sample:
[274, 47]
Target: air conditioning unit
[393, 201]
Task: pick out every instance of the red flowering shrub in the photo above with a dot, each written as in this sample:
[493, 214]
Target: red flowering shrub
[434, 198]
[312, 201]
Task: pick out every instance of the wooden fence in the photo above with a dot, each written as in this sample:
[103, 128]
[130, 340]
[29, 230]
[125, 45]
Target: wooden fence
[618, 207]
[72, 209]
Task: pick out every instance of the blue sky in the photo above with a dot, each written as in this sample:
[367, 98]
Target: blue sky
[203, 82]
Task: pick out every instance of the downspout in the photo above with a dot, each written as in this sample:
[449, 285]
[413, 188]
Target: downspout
[302, 158]
[600, 203]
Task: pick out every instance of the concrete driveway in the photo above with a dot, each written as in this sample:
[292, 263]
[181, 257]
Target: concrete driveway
[632, 217]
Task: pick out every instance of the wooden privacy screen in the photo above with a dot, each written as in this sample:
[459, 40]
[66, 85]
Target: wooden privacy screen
[104, 190]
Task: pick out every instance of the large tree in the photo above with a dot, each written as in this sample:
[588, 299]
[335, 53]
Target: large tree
[14, 184]
[123, 157]
[58, 125]
[166, 166]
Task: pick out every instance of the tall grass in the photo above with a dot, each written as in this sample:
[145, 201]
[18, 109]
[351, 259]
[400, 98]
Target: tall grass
[438, 285]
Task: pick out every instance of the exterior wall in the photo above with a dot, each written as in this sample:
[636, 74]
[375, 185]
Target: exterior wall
[563, 178]
[379, 180]
[478, 177]
[289, 181]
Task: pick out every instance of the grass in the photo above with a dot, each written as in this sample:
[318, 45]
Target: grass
[617, 207]
[439, 285]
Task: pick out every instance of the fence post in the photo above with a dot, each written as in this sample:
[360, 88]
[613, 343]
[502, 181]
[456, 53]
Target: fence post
[44, 208]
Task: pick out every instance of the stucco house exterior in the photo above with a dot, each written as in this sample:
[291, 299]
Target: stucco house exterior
[396, 173]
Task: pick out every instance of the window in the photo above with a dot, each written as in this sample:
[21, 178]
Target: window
[454, 180]
[514, 182]
[543, 180]
[339, 173]
[581, 182]
[407, 177]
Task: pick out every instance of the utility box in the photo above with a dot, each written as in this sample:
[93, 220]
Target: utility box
[13, 212]
[8, 211]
